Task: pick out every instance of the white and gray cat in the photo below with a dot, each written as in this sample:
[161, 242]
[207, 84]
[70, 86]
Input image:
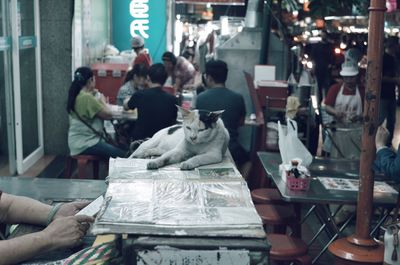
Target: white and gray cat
[202, 139]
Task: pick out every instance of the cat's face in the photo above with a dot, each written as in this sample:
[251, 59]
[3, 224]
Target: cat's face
[199, 125]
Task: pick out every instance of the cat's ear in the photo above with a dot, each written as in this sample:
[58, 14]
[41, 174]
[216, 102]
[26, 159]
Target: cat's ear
[214, 115]
[183, 111]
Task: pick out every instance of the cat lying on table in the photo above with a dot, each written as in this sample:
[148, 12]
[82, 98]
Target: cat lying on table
[202, 139]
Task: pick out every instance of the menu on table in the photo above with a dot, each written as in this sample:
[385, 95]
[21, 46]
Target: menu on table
[352, 185]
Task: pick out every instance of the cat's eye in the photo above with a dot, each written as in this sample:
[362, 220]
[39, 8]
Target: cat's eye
[200, 130]
[187, 127]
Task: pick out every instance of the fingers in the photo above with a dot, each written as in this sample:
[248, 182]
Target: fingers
[83, 227]
[84, 218]
[81, 204]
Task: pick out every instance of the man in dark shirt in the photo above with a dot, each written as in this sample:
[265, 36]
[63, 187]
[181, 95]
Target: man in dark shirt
[156, 109]
[387, 106]
[218, 97]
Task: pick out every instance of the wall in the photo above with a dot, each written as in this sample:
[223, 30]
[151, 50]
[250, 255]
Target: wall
[56, 39]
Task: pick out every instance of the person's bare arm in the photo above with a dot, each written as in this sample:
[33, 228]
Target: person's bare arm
[22, 248]
[178, 85]
[105, 113]
[62, 232]
[331, 110]
[18, 209]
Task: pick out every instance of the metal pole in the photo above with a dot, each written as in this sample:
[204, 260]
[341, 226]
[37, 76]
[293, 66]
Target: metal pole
[266, 31]
[360, 248]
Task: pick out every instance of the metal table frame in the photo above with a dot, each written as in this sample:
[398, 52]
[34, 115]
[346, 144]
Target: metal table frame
[319, 197]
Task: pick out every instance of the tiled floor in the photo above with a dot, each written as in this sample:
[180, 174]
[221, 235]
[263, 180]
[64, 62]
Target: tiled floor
[31, 172]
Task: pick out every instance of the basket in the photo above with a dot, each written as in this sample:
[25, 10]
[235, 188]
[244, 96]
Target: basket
[297, 183]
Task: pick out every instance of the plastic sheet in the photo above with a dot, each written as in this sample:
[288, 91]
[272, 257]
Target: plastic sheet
[208, 200]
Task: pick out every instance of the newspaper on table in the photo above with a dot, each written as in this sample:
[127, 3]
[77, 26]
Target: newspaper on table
[353, 184]
[209, 200]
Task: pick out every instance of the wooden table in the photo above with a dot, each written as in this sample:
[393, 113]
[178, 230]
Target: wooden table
[182, 215]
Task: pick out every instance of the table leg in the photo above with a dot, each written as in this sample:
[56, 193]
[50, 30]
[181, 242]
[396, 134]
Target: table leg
[335, 230]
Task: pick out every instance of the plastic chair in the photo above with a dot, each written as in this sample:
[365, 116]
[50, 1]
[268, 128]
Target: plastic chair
[83, 161]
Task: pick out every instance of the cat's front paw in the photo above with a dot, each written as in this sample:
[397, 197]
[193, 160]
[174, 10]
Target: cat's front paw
[187, 166]
[153, 165]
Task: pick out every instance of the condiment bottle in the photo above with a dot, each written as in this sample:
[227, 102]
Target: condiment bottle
[293, 170]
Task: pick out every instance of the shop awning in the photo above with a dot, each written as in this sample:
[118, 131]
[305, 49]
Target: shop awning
[212, 2]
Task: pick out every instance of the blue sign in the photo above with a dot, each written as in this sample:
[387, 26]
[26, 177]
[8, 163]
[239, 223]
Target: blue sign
[147, 18]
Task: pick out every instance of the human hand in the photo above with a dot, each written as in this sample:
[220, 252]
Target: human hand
[66, 231]
[356, 118]
[381, 137]
[70, 209]
[339, 116]
[126, 100]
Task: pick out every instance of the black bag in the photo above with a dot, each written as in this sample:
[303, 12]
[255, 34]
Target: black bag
[109, 139]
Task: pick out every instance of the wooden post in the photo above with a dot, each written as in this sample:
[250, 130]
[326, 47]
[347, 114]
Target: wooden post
[360, 248]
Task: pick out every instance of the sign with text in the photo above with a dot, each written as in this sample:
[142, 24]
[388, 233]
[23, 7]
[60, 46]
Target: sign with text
[146, 18]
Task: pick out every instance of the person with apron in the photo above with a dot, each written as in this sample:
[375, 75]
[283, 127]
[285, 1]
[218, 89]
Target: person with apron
[344, 103]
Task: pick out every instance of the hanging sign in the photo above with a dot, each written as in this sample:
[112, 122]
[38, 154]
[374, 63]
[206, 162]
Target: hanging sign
[212, 2]
[140, 17]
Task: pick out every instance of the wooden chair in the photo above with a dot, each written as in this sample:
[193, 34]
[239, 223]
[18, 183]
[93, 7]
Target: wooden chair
[258, 178]
[83, 161]
[279, 217]
[287, 248]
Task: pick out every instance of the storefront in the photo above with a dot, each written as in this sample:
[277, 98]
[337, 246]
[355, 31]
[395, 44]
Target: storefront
[21, 124]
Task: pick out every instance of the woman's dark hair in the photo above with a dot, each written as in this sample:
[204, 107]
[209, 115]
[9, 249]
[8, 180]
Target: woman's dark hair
[140, 70]
[169, 56]
[81, 77]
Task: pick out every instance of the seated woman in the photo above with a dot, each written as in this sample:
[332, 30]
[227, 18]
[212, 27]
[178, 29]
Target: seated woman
[136, 79]
[87, 110]
[63, 229]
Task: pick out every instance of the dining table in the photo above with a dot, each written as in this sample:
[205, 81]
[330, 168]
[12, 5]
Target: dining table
[119, 114]
[321, 198]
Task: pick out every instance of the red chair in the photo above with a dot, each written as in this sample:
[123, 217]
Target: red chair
[83, 161]
[266, 196]
[278, 217]
[257, 179]
[287, 248]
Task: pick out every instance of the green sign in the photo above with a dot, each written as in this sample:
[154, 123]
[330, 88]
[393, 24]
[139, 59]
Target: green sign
[26, 42]
[5, 43]
[147, 18]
